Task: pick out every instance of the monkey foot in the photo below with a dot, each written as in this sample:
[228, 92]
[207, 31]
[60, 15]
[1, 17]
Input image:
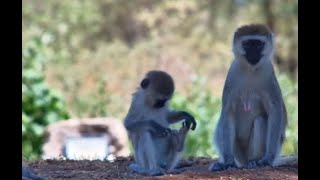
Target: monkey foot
[174, 171]
[253, 164]
[163, 164]
[258, 163]
[183, 164]
[265, 162]
[156, 172]
[221, 166]
[139, 169]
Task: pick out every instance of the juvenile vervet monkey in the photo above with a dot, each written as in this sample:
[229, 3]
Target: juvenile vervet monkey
[157, 148]
[251, 128]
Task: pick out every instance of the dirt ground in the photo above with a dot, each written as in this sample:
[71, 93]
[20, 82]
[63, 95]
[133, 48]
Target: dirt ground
[192, 168]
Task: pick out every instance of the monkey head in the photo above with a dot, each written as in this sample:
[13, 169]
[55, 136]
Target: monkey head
[253, 43]
[158, 87]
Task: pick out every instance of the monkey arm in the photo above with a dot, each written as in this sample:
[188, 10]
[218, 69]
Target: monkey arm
[226, 130]
[152, 126]
[224, 139]
[228, 87]
[176, 116]
[177, 138]
[277, 119]
[275, 128]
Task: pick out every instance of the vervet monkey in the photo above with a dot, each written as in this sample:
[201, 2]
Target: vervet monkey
[157, 148]
[251, 128]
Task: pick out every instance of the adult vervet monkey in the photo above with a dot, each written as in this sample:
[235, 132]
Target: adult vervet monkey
[251, 128]
[157, 147]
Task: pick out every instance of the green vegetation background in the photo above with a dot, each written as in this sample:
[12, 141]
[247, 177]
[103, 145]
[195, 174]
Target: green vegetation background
[84, 58]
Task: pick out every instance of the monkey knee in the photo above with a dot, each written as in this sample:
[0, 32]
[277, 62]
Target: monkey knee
[174, 140]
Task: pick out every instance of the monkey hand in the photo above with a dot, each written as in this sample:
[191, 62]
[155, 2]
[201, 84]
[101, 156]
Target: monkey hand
[160, 131]
[184, 128]
[189, 119]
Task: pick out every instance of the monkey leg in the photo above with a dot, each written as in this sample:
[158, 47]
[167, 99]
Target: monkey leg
[258, 142]
[176, 142]
[173, 162]
[167, 150]
[146, 156]
[241, 151]
[137, 168]
[224, 139]
[180, 138]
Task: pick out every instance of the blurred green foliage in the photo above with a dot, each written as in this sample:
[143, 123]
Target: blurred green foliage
[97, 51]
[40, 104]
[290, 94]
[206, 110]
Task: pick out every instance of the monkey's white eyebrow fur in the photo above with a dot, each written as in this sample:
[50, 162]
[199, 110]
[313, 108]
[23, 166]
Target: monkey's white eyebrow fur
[258, 37]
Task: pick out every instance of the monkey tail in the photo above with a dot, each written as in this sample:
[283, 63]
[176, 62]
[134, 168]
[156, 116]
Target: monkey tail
[286, 160]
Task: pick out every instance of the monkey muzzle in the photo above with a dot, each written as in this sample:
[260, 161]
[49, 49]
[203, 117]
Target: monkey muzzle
[160, 103]
[253, 49]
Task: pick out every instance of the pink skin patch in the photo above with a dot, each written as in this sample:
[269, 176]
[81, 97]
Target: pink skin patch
[247, 106]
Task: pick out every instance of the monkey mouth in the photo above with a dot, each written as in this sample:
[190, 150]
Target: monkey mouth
[159, 104]
[253, 58]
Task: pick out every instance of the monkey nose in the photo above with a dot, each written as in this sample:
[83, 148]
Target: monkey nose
[253, 57]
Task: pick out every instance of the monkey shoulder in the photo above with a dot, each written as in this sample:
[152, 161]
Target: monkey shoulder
[272, 90]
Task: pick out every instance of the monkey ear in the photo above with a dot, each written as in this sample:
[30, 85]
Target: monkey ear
[144, 83]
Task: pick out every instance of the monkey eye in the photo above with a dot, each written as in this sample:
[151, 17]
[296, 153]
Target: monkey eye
[253, 43]
[260, 45]
[245, 44]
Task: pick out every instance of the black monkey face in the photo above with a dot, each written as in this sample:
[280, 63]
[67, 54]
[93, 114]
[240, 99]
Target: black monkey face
[253, 50]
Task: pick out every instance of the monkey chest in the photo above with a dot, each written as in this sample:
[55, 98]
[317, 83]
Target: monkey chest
[159, 117]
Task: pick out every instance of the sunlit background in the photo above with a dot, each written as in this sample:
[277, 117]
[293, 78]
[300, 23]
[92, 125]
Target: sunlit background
[85, 58]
